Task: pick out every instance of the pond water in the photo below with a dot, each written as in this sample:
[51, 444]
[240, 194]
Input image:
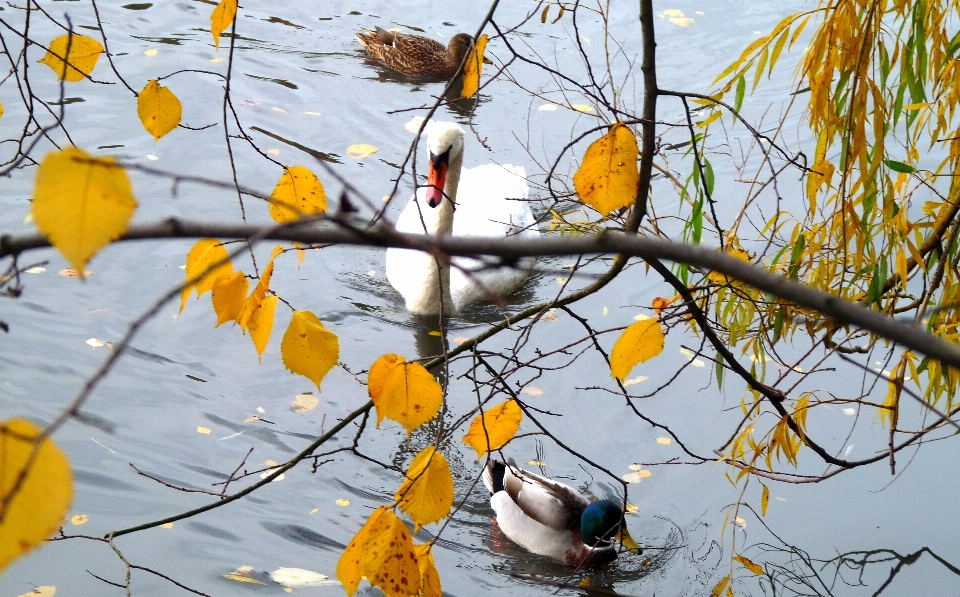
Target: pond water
[303, 90]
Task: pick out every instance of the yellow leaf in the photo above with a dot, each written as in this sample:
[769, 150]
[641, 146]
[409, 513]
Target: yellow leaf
[37, 503]
[404, 392]
[641, 341]
[350, 565]
[260, 323]
[720, 278]
[665, 441]
[79, 519]
[260, 291]
[159, 109]
[916, 106]
[755, 568]
[764, 500]
[203, 430]
[342, 502]
[299, 193]
[241, 578]
[427, 492]
[1, 110]
[473, 67]
[608, 177]
[585, 108]
[221, 18]
[720, 586]
[429, 577]
[389, 559]
[42, 591]
[358, 151]
[229, 293]
[81, 203]
[202, 260]
[84, 53]
[498, 425]
[308, 348]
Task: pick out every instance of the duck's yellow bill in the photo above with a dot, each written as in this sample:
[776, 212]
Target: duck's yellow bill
[623, 536]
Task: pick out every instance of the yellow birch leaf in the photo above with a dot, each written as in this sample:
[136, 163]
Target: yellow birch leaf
[259, 291]
[229, 293]
[221, 18]
[159, 109]
[755, 568]
[764, 500]
[389, 559]
[42, 591]
[299, 193]
[84, 53]
[607, 179]
[350, 565]
[201, 260]
[427, 492]
[358, 151]
[1, 110]
[308, 348]
[300, 253]
[640, 342]
[429, 577]
[241, 578]
[404, 392]
[81, 203]
[260, 323]
[720, 586]
[473, 67]
[498, 425]
[38, 505]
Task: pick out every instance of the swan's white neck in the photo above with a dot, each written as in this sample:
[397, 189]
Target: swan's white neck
[435, 290]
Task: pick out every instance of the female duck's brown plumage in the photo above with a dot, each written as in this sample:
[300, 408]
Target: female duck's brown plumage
[416, 55]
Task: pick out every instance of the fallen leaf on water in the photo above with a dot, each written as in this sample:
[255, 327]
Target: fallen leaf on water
[435, 333]
[314, 511]
[635, 380]
[674, 12]
[664, 441]
[98, 343]
[585, 108]
[635, 477]
[69, 272]
[241, 578]
[203, 430]
[460, 339]
[849, 411]
[304, 402]
[260, 410]
[536, 463]
[168, 525]
[547, 108]
[641, 317]
[605, 310]
[532, 391]
[270, 463]
[297, 578]
[740, 522]
[266, 474]
[42, 591]
[343, 502]
[151, 52]
[358, 151]
[79, 519]
[561, 280]
[251, 419]
[36, 270]
[632, 509]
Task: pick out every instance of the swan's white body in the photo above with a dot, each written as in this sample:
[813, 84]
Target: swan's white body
[483, 207]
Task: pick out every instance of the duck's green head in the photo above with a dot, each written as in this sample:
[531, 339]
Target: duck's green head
[602, 522]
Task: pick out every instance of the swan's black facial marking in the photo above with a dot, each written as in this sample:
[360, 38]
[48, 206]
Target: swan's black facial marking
[437, 177]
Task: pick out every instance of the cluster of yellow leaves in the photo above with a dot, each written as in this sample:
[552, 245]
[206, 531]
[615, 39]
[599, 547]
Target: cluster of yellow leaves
[720, 278]
[35, 487]
[307, 348]
[607, 179]
[473, 67]
[383, 551]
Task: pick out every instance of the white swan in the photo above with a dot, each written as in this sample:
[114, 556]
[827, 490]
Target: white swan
[473, 202]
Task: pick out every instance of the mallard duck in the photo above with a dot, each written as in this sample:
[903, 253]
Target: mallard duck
[416, 55]
[462, 202]
[551, 519]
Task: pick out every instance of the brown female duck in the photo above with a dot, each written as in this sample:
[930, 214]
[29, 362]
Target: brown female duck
[416, 55]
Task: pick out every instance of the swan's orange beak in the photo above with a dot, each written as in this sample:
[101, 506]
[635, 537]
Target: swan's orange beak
[436, 178]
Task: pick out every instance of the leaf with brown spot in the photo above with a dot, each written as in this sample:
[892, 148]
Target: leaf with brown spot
[389, 559]
[298, 194]
[404, 392]
[608, 177]
[755, 568]
[350, 565]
